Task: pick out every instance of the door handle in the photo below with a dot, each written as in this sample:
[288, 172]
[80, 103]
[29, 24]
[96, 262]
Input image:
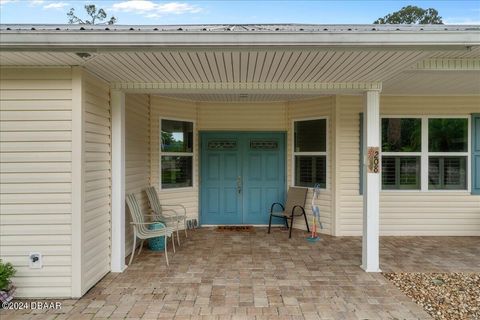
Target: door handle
[239, 184]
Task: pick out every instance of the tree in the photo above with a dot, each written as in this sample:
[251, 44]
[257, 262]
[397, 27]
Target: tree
[411, 15]
[99, 15]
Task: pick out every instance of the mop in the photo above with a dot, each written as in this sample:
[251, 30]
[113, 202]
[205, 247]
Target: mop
[315, 215]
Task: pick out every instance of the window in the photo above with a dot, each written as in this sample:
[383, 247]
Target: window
[310, 153]
[447, 154]
[401, 151]
[176, 154]
[424, 153]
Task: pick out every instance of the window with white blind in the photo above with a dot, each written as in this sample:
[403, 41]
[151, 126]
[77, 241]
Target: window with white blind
[401, 153]
[310, 153]
[447, 153]
[425, 153]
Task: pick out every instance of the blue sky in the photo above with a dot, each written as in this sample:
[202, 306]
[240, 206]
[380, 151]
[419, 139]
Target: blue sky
[241, 11]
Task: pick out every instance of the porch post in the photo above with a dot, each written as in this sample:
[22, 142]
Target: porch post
[118, 181]
[371, 194]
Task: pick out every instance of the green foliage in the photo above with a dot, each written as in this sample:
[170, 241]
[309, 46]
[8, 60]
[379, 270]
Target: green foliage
[401, 135]
[169, 144]
[411, 15]
[447, 135]
[95, 15]
[6, 272]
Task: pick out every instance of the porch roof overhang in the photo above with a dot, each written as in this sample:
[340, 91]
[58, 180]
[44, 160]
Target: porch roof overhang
[284, 61]
[142, 37]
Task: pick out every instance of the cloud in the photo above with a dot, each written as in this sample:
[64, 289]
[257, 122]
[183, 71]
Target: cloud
[154, 10]
[55, 5]
[37, 2]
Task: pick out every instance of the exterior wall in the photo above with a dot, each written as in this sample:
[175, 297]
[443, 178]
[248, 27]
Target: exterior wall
[137, 156]
[310, 109]
[181, 110]
[36, 175]
[242, 116]
[96, 213]
[401, 212]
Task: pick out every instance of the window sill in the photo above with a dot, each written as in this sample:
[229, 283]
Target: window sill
[173, 190]
[456, 192]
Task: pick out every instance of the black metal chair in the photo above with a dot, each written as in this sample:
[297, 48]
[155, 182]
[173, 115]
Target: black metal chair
[294, 206]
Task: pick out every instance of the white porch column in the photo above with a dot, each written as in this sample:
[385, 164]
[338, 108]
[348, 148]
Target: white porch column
[371, 187]
[118, 181]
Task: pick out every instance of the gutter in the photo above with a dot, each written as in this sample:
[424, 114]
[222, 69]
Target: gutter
[95, 40]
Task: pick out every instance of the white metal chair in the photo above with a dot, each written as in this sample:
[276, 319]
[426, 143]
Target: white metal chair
[140, 229]
[173, 217]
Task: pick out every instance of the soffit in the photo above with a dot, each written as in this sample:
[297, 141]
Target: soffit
[233, 66]
[394, 67]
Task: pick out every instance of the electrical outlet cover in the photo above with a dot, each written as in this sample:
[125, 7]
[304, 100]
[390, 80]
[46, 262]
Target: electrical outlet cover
[35, 260]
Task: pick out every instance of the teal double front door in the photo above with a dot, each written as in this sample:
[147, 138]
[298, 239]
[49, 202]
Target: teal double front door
[242, 174]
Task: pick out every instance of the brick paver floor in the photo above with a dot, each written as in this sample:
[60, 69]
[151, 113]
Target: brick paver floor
[254, 275]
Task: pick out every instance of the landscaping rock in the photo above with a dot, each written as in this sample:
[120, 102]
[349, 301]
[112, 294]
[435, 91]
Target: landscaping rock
[444, 296]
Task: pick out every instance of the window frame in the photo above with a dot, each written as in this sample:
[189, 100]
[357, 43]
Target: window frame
[192, 154]
[402, 154]
[316, 153]
[425, 153]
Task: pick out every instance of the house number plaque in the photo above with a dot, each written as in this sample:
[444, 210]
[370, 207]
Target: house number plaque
[373, 164]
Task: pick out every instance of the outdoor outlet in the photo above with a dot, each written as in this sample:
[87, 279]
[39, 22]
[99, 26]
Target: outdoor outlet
[35, 260]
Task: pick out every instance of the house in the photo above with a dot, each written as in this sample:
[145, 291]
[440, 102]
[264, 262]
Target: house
[222, 118]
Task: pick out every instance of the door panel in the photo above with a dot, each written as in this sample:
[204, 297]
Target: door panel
[264, 181]
[220, 167]
[242, 174]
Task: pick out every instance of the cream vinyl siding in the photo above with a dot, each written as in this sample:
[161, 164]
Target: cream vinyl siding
[97, 181]
[402, 212]
[137, 156]
[36, 171]
[241, 116]
[311, 109]
[166, 108]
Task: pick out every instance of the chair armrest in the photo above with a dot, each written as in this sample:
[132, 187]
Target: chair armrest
[171, 214]
[298, 206]
[278, 203]
[144, 223]
[175, 205]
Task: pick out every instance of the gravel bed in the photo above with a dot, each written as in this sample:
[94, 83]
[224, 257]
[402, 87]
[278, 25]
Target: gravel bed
[442, 295]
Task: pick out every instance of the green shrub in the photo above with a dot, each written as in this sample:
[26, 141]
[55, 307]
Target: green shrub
[6, 271]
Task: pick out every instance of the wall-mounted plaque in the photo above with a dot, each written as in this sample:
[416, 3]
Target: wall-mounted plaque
[373, 160]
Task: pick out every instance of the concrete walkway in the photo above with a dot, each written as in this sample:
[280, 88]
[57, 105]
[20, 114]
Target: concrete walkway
[254, 275]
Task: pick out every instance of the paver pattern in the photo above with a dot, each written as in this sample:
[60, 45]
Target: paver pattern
[255, 275]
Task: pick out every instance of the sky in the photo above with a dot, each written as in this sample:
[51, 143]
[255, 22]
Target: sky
[152, 12]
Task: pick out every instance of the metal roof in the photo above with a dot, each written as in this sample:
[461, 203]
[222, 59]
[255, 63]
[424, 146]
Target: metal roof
[316, 28]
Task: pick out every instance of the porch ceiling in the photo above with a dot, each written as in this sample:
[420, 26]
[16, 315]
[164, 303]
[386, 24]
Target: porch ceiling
[266, 73]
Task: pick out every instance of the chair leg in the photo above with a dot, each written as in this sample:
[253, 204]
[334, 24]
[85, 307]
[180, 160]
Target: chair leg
[270, 224]
[133, 250]
[286, 222]
[185, 226]
[173, 241]
[178, 237]
[166, 255]
[141, 247]
[306, 221]
[291, 227]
